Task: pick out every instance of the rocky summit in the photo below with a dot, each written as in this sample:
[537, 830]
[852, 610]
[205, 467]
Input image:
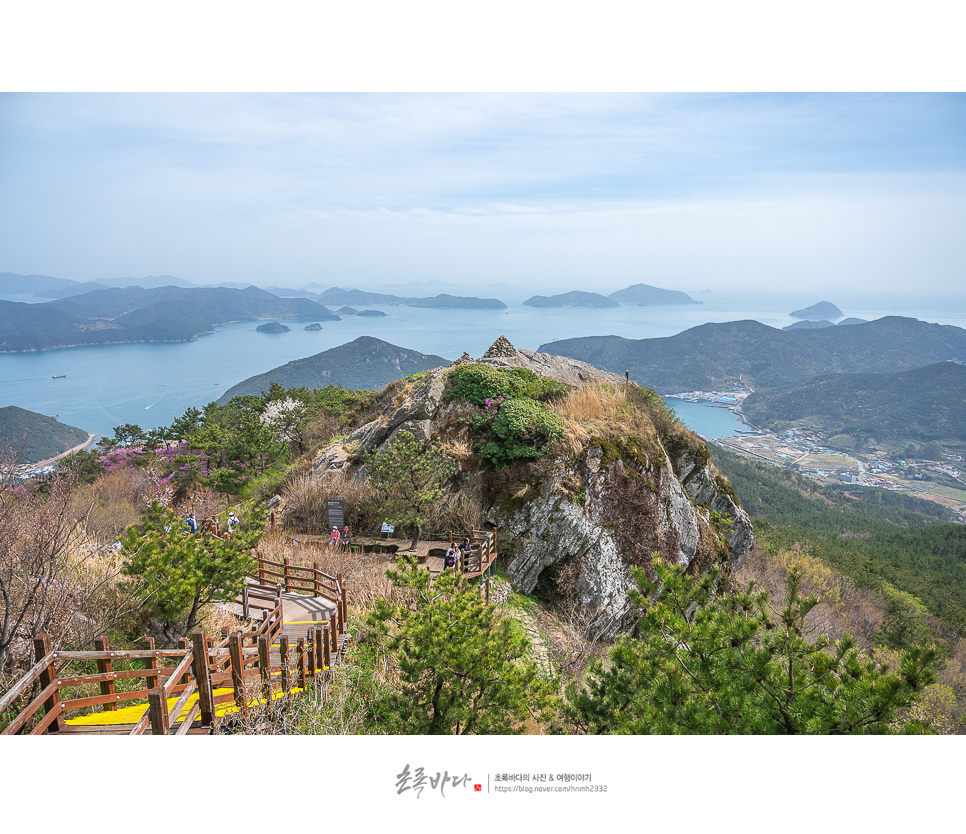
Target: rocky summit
[606, 497]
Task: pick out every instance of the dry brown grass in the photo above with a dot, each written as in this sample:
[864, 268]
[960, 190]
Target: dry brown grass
[845, 608]
[305, 496]
[600, 410]
[364, 575]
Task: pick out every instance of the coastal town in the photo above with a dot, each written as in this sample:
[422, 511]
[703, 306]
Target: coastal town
[806, 451]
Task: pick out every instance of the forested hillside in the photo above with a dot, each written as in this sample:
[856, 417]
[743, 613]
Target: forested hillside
[42, 436]
[922, 404]
[888, 547]
[706, 356]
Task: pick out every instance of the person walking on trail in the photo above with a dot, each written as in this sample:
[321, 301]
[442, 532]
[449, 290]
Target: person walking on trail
[334, 538]
[449, 560]
[192, 523]
[466, 547]
[232, 523]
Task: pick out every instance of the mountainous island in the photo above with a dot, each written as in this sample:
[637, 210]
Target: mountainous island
[274, 327]
[365, 363]
[822, 310]
[42, 437]
[136, 314]
[644, 294]
[314, 326]
[360, 298]
[713, 354]
[577, 298]
[921, 404]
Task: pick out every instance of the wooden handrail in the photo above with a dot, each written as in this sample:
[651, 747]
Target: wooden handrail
[241, 658]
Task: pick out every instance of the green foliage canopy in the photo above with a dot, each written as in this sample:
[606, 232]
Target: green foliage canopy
[461, 669]
[409, 478]
[732, 665]
[178, 573]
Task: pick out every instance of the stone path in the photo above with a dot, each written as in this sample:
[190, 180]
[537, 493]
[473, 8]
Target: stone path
[500, 592]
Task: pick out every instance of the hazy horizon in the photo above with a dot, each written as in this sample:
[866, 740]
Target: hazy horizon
[554, 191]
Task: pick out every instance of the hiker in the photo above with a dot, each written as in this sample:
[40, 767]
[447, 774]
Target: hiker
[334, 538]
[192, 523]
[449, 560]
[346, 538]
[232, 524]
[466, 547]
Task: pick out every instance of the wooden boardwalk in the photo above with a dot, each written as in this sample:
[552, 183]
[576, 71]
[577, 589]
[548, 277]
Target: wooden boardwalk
[298, 633]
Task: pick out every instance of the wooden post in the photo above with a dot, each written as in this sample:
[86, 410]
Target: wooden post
[315, 579]
[264, 668]
[283, 662]
[345, 610]
[487, 586]
[325, 651]
[285, 570]
[334, 634]
[245, 602]
[183, 644]
[301, 662]
[106, 666]
[271, 520]
[238, 671]
[206, 698]
[47, 677]
[158, 708]
[151, 681]
[261, 568]
[310, 639]
[322, 648]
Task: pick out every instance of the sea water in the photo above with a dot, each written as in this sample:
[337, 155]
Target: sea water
[103, 386]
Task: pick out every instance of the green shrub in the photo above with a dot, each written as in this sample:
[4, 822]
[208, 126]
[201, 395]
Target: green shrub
[522, 429]
[478, 383]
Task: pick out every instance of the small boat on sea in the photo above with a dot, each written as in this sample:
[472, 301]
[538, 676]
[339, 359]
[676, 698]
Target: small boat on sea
[62, 376]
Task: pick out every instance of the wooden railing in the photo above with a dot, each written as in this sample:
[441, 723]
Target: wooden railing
[301, 579]
[242, 663]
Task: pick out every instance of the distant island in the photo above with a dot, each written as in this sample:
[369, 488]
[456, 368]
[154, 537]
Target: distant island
[371, 313]
[822, 310]
[577, 298]
[315, 326]
[335, 295]
[852, 321]
[644, 295]
[365, 363]
[136, 314]
[43, 437]
[707, 356]
[275, 327]
[347, 311]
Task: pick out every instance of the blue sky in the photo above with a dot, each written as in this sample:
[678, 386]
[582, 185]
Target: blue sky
[552, 191]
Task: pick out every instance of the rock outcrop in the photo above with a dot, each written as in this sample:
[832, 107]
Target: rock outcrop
[587, 517]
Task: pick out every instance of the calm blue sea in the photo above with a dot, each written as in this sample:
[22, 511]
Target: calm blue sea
[151, 384]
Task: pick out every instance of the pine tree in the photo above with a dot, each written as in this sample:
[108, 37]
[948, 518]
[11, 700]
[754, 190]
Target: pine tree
[409, 479]
[460, 668]
[178, 573]
[702, 664]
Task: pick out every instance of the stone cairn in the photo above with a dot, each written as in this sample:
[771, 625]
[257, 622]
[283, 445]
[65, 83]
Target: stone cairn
[500, 348]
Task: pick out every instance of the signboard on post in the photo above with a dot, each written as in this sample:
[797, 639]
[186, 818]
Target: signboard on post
[388, 528]
[336, 513]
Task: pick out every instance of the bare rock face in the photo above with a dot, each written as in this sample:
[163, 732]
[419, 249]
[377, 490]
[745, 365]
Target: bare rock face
[588, 522]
